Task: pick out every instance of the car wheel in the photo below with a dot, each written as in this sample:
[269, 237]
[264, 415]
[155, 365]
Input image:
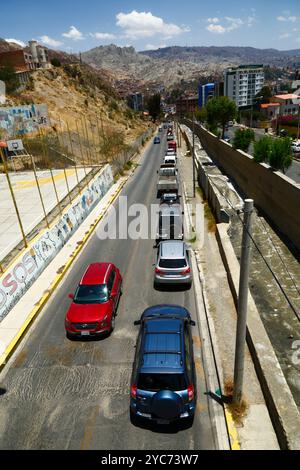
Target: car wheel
[112, 323]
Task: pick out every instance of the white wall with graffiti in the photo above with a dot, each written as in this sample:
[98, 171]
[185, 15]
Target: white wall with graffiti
[21, 120]
[15, 282]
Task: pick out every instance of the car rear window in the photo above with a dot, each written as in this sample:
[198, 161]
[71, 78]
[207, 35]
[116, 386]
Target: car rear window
[91, 294]
[156, 382]
[172, 263]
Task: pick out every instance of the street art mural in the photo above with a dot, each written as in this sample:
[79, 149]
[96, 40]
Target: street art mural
[15, 282]
[22, 120]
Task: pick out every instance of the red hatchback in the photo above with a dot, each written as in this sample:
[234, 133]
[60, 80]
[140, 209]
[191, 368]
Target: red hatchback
[94, 304]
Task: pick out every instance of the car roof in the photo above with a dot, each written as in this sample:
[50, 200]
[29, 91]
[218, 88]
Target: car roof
[166, 310]
[162, 346]
[96, 273]
[172, 249]
[166, 209]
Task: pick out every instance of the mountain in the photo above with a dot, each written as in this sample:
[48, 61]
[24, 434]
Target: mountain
[173, 64]
[8, 46]
[244, 54]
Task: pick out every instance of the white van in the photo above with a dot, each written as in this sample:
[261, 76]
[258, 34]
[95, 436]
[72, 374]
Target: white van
[170, 159]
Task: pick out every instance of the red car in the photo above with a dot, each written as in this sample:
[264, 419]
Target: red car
[94, 304]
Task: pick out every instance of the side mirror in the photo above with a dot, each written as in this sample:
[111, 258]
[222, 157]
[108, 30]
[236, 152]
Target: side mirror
[192, 323]
[71, 296]
[137, 322]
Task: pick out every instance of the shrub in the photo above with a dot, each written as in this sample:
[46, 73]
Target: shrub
[262, 149]
[242, 139]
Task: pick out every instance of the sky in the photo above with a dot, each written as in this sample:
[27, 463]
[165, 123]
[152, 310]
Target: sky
[79, 25]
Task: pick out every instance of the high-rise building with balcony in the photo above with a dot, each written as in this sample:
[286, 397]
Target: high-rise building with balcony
[242, 83]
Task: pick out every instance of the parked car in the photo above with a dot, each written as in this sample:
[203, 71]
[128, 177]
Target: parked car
[169, 198]
[95, 302]
[170, 159]
[157, 139]
[296, 146]
[173, 264]
[163, 385]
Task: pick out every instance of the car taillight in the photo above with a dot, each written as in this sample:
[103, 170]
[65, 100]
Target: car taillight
[133, 390]
[190, 390]
[157, 270]
[186, 271]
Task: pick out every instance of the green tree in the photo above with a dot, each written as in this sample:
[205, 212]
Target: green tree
[56, 62]
[219, 111]
[200, 114]
[262, 149]
[154, 106]
[281, 155]
[8, 76]
[242, 139]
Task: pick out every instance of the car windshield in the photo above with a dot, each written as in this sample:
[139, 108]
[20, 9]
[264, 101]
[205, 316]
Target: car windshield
[91, 294]
[172, 263]
[156, 382]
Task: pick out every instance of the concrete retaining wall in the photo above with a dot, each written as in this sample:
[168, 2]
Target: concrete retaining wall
[282, 408]
[24, 271]
[274, 193]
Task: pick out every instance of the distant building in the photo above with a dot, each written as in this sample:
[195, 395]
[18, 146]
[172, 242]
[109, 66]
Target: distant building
[186, 105]
[289, 103]
[136, 101]
[205, 93]
[242, 83]
[270, 110]
[26, 60]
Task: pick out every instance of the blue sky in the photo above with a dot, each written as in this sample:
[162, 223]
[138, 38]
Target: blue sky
[79, 25]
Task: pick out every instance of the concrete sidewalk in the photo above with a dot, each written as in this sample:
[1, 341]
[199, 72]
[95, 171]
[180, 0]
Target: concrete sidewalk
[256, 430]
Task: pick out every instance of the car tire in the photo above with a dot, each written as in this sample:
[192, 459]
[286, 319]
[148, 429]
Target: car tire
[112, 323]
[133, 418]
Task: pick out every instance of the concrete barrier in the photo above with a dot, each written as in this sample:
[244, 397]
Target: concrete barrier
[25, 270]
[279, 400]
[276, 195]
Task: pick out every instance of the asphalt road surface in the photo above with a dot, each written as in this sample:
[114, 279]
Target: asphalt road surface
[63, 394]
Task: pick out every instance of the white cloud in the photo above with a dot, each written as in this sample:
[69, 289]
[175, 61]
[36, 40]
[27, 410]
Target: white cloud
[230, 24]
[144, 24]
[50, 42]
[103, 36]
[216, 28]
[152, 47]
[213, 20]
[16, 41]
[74, 34]
[290, 18]
[284, 35]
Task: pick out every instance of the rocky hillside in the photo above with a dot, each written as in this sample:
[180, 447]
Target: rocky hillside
[171, 65]
[8, 46]
[77, 95]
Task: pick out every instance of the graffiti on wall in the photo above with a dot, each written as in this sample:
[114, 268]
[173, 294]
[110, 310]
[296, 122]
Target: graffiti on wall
[22, 120]
[21, 276]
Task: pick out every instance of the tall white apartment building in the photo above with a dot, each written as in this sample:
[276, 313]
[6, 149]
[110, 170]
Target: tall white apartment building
[242, 83]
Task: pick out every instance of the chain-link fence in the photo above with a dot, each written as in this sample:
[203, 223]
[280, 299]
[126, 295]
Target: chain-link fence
[47, 172]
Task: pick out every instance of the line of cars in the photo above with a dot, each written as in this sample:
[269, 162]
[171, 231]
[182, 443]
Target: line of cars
[163, 380]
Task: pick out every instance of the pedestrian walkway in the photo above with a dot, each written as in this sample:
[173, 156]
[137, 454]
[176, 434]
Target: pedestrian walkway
[256, 430]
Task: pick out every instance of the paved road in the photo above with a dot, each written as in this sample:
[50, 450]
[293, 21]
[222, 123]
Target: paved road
[61, 394]
[294, 170]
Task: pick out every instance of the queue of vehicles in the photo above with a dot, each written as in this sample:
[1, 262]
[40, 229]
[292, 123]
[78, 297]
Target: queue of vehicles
[163, 381]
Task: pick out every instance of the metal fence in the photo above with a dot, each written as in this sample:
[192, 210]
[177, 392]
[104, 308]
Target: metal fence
[42, 178]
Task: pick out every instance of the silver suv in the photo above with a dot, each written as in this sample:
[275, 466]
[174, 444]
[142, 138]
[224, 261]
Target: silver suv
[173, 264]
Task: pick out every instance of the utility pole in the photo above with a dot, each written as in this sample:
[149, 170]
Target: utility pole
[194, 179]
[242, 304]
